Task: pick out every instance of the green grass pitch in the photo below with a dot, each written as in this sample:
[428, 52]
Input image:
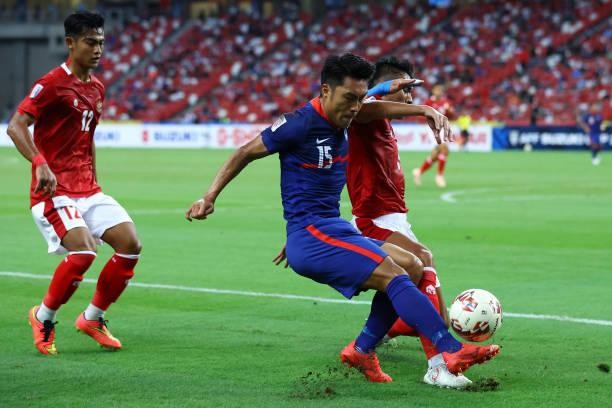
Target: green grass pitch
[533, 228]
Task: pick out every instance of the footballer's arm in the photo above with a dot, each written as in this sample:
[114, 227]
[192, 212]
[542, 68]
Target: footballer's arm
[378, 110]
[241, 157]
[22, 138]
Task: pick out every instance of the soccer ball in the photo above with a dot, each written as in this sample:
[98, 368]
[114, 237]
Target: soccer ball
[475, 315]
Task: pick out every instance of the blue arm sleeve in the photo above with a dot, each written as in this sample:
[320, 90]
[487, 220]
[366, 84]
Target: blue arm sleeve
[381, 89]
[288, 131]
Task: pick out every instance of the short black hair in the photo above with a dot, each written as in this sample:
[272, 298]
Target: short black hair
[388, 66]
[79, 22]
[338, 67]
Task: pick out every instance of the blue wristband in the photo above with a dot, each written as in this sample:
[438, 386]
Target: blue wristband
[381, 89]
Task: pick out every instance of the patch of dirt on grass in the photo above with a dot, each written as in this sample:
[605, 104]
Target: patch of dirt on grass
[484, 385]
[320, 384]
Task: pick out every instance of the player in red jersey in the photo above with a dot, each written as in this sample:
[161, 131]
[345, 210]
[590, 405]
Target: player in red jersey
[375, 183]
[440, 152]
[66, 201]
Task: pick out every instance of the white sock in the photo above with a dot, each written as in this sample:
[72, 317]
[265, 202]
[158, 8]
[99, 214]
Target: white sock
[435, 361]
[44, 313]
[93, 313]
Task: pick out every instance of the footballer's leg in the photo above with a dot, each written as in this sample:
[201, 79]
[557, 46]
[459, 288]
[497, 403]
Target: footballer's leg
[425, 255]
[442, 157]
[437, 373]
[469, 354]
[413, 307]
[113, 280]
[333, 252]
[65, 281]
[361, 353]
[409, 303]
[595, 149]
[429, 161]
[64, 231]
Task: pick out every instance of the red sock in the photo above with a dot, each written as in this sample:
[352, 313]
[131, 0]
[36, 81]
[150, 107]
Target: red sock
[426, 164]
[400, 328]
[428, 287]
[67, 277]
[113, 279]
[441, 163]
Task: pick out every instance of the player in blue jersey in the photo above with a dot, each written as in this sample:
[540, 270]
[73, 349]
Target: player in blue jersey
[591, 123]
[312, 146]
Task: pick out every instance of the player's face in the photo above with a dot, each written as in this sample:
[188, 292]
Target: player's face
[343, 102]
[86, 50]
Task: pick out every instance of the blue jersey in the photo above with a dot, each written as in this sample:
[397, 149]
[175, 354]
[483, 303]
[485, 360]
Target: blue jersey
[593, 121]
[313, 155]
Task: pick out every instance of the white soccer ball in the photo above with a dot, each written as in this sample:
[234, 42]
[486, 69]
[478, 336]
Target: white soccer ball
[475, 315]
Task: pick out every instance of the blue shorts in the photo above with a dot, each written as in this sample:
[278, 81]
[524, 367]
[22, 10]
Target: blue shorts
[333, 252]
[594, 139]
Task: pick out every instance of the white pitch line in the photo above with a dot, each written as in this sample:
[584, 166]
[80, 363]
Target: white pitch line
[201, 290]
[450, 196]
[570, 319]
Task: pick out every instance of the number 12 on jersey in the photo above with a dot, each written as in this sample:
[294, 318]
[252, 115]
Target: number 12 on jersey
[86, 120]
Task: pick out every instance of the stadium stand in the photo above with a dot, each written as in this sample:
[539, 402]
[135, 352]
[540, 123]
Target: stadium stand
[479, 52]
[288, 76]
[484, 45]
[204, 56]
[512, 61]
[552, 86]
[129, 44]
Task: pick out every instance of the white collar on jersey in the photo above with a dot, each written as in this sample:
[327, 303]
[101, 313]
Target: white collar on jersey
[66, 69]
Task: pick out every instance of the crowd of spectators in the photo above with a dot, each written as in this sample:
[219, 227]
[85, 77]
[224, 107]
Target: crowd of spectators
[202, 56]
[127, 45]
[289, 74]
[510, 61]
[556, 84]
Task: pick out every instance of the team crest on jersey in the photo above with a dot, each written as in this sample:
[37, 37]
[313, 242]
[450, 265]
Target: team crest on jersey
[36, 91]
[76, 102]
[99, 106]
[279, 122]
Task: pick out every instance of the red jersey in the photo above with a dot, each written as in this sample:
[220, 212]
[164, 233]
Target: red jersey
[67, 112]
[374, 176]
[442, 105]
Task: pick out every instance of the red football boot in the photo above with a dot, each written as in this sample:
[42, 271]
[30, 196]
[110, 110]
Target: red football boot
[368, 363]
[469, 355]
